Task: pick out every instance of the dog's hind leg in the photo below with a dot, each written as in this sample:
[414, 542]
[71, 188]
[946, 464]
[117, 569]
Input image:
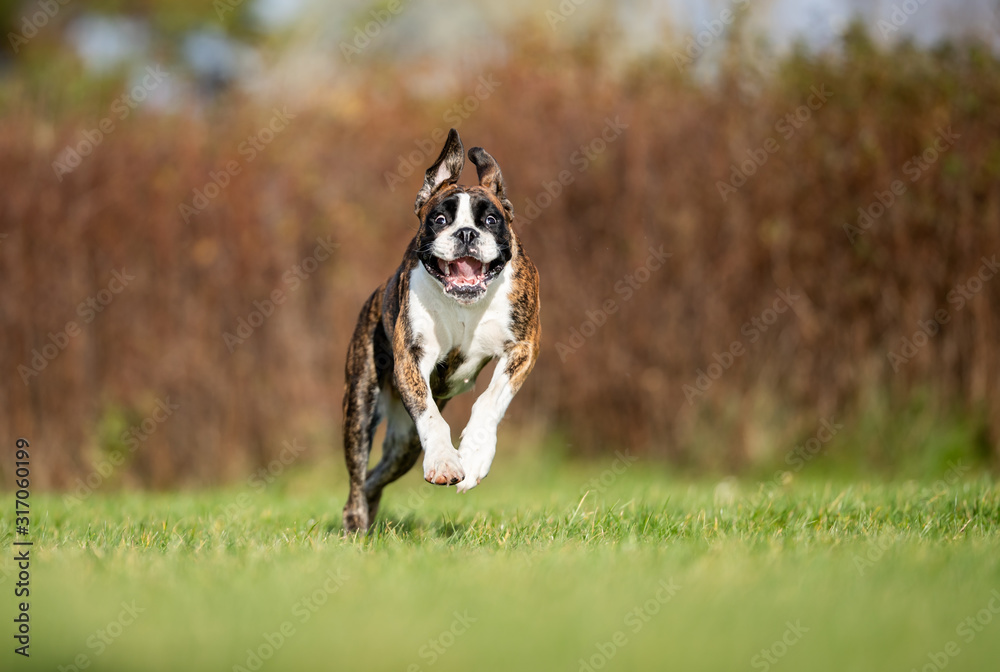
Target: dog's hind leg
[400, 450]
[362, 408]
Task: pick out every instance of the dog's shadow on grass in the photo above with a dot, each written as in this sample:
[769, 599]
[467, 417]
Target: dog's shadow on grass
[409, 527]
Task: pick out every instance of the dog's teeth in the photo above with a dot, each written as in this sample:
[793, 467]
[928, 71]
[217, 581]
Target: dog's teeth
[443, 265]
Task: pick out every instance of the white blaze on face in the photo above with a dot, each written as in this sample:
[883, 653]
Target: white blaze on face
[447, 246]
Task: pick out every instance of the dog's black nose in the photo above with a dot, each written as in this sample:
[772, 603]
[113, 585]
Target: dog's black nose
[467, 235]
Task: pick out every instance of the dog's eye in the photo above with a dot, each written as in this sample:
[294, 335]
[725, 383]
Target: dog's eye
[440, 220]
[491, 220]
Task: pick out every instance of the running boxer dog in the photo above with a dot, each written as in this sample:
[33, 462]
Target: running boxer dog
[465, 294]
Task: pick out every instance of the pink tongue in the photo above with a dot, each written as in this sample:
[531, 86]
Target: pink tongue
[466, 267]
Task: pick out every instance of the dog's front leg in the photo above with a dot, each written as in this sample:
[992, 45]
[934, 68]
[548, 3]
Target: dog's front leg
[441, 463]
[479, 438]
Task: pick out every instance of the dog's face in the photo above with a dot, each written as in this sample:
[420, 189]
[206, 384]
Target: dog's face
[464, 240]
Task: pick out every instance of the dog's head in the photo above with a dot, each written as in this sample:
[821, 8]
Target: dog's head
[464, 240]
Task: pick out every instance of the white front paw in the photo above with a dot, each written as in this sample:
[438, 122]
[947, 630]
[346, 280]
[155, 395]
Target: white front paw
[476, 457]
[443, 467]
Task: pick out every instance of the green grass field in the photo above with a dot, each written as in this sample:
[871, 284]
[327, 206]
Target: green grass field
[646, 571]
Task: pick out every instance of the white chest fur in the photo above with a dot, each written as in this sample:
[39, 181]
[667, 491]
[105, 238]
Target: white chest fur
[478, 331]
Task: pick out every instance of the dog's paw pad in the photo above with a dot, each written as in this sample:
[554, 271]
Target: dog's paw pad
[444, 470]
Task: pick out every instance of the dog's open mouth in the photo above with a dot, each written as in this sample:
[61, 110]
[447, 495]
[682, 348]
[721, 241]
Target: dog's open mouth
[462, 272]
[465, 277]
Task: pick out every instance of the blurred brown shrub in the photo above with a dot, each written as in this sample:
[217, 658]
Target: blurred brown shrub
[654, 183]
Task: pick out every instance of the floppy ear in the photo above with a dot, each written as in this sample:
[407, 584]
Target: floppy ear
[445, 170]
[490, 177]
